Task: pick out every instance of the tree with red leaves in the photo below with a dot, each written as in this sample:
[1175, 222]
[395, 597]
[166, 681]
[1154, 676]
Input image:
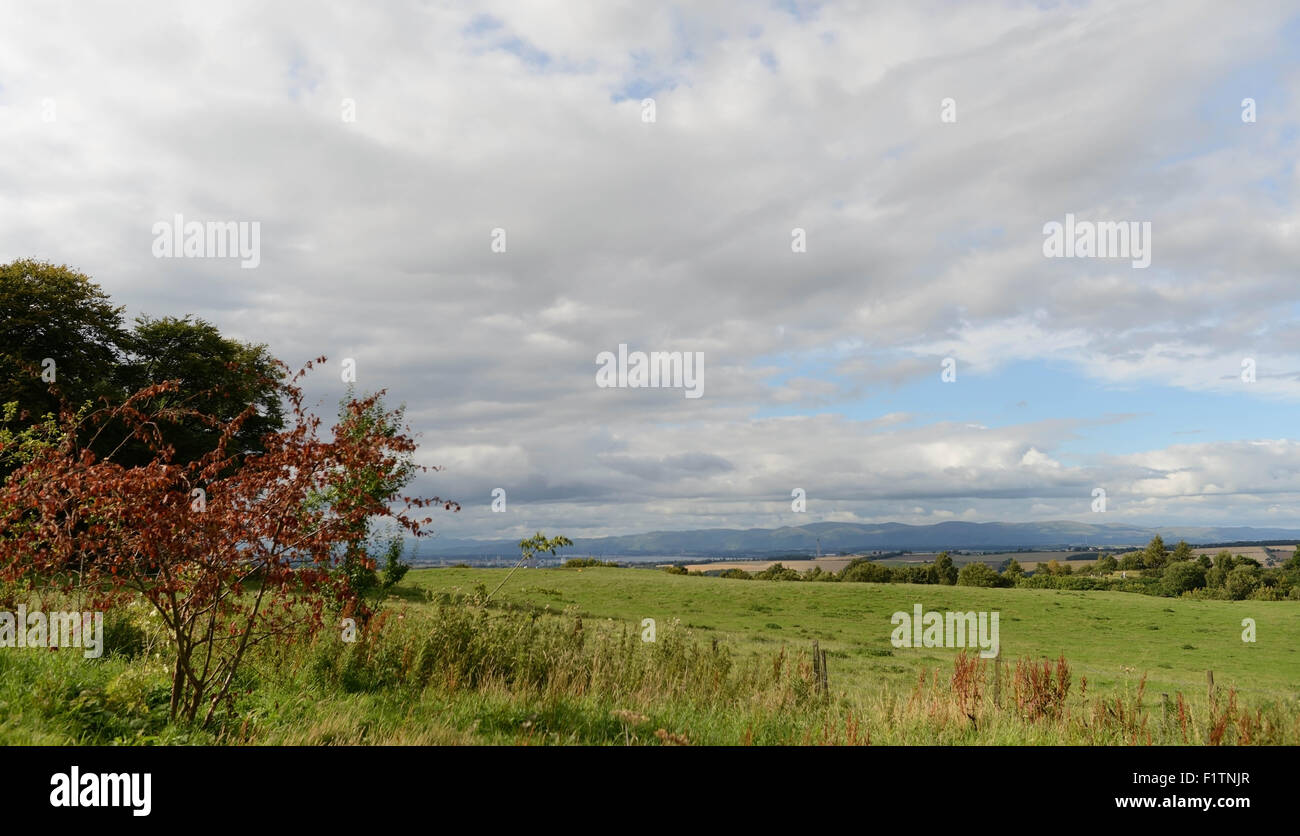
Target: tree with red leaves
[232, 550]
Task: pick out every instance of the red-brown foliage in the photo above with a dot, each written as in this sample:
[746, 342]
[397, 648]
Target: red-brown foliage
[247, 565]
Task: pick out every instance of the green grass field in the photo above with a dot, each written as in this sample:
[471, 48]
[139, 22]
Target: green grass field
[1109, 637]
[557, 657]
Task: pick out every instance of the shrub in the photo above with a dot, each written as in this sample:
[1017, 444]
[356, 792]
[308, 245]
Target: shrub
[945, 571]
[1182, 577]
[914, 574]
[979, 574]
[1241, 581]
[591, 562]
[777, 572]
[1267, 593]
[1156, 555]
[866, 572]
[1076, 582]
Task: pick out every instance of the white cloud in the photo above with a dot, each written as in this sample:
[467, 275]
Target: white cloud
[924, 239]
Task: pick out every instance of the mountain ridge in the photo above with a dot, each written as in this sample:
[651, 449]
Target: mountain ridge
[854, 537]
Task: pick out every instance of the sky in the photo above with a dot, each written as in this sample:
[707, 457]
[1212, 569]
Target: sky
[838, 205]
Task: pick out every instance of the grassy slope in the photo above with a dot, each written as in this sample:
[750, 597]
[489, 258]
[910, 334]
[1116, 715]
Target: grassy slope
[1109, 637]
[59, 698]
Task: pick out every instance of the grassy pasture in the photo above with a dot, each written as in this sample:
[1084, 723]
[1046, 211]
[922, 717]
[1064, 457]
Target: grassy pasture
[1110, 637]
[557, 658]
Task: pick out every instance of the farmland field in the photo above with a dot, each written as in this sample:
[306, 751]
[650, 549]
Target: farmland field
[1110, 637]
[827, 564]
[560, 656]
[1028, 560]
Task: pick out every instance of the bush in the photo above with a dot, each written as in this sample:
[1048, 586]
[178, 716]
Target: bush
[1241, 581]
[588, 563]
[777, 572]
[1182, 577]
[980, 574]
[1267, 593]
[737, 574]
[1054, 567]
[394, 568]
[1075, 582]
[945, 571]
[866, 572]
[914, 574]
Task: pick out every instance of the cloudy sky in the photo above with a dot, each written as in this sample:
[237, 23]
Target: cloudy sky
[380, 145]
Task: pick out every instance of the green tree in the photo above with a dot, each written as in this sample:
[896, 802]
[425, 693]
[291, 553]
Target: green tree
[1106, 564]
[63, 345]
[978, 574]
[866, 571]
[361, 485]
[1182, 551]
[1217, 575]
[1155, 555]
[1182, 576]
[1241, 581]
[1013, 570]
[777, 572]
[915, 574]
[595, 562]
[54, 323]
[945, 570]
[19, 444]
[220, 378]
[394, 568]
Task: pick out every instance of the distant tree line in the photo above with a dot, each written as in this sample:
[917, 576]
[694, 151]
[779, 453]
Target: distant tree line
[589, 562]
[1154, 570]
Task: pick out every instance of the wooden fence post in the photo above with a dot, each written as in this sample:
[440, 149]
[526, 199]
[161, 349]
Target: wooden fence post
[1209, 686]
[997, 679]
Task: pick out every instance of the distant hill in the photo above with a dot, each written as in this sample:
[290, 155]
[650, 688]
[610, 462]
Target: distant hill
[835, 537]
